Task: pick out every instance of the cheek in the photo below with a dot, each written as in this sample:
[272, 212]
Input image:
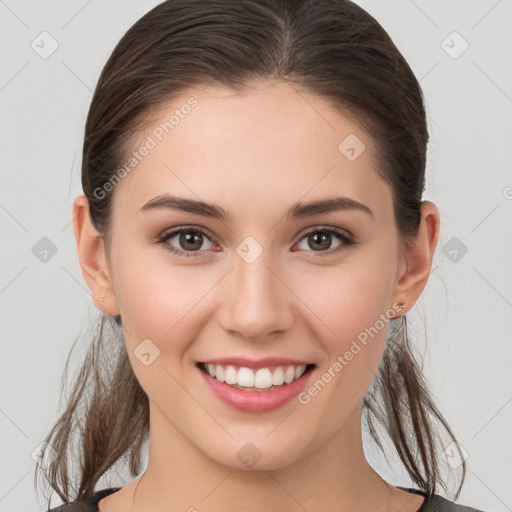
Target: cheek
[161, 304]
[351, 298]
[355, 310]
[164, 302]
[159, 300]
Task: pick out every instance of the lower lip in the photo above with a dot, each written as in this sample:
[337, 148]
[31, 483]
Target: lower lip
[255, 401]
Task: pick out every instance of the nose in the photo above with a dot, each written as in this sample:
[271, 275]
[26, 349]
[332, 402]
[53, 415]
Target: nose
[257, 301]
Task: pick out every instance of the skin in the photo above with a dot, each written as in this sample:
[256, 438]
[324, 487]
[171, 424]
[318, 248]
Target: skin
[255, 154]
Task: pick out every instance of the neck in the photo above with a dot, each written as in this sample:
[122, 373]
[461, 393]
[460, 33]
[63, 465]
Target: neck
[333, 476]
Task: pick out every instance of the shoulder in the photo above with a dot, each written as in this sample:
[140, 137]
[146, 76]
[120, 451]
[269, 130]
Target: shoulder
[88, 504]
[439, 504]
[436, 503]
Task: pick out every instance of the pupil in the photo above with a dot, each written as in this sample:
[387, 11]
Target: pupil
[325, 237]
[187, 238]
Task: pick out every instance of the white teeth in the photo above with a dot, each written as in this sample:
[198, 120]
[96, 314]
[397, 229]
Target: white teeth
[231, 375]
[219, 373]
[245, 377]
[289, 374]
[263, 378]
[278, 377]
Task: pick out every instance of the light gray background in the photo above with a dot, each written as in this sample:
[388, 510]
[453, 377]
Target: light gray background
[467, 304]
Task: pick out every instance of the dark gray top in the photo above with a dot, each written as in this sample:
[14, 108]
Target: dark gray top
[433, 504]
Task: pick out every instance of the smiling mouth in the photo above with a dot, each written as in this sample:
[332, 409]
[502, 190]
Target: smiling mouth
[262, 379]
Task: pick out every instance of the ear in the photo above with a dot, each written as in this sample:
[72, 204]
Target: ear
[91, 253]
[418, 255]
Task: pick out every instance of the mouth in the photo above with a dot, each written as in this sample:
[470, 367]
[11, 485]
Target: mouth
[263, 379]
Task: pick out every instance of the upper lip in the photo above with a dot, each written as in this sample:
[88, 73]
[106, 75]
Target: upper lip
[259, 363]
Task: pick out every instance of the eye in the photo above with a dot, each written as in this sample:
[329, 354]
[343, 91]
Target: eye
[189, 241]
[321, 238]
[188, 238]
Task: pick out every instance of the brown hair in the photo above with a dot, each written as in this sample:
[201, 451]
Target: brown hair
[332, 48]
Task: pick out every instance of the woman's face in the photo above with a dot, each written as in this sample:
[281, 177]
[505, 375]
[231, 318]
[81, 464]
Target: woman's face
[256, 284]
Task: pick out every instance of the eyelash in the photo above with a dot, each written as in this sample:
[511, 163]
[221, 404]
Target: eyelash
[347, 240]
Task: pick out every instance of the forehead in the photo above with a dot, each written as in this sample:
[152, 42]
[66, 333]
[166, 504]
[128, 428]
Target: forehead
[273, 143]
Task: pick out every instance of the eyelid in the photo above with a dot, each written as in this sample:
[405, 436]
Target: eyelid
[330, 229]
[188, 227]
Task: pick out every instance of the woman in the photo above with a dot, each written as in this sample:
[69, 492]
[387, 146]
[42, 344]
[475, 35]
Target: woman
[253, 230]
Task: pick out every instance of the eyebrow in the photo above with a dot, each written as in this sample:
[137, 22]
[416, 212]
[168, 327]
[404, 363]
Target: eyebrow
[297, 211]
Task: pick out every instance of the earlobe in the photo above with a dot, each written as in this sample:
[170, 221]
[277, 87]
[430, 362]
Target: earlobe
[92, 258]
[418, 255]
